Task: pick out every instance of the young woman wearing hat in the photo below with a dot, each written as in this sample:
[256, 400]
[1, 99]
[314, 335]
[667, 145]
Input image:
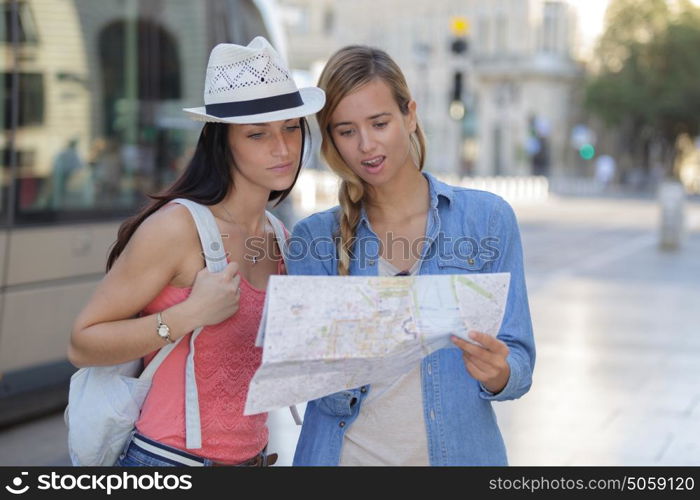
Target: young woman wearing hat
[440, 412]
[249, 153]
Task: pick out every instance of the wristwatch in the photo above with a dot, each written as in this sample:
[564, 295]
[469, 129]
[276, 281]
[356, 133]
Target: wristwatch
[163, 330]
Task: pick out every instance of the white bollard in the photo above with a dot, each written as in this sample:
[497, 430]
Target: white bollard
[671, 199]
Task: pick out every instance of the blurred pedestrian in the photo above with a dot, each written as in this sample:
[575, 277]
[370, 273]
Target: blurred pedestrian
[439, 413]
[604, 171]
[157, 290]
[107, 171]
[66, 165]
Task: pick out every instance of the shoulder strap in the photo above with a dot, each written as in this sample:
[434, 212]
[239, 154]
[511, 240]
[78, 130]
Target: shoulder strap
[150, 370]
[215, 258]
[281, 235]
[209, 236]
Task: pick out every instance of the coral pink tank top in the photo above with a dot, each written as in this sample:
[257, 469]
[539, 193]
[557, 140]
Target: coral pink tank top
[225, 361]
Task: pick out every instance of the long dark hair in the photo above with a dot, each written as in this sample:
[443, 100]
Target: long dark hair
[206, 180]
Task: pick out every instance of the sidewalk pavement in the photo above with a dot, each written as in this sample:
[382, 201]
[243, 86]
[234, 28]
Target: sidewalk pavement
[617, 327]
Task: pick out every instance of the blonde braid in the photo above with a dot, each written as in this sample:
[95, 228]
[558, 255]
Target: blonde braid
[350, 198]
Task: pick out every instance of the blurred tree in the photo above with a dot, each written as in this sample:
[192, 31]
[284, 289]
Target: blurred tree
[646, 77]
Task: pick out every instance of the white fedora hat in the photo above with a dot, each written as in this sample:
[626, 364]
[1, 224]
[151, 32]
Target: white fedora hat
[252, 85]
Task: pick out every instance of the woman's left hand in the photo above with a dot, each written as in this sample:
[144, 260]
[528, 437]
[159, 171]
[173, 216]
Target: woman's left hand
[486, 364]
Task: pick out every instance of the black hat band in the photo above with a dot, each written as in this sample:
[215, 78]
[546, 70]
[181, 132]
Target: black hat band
[255, 106]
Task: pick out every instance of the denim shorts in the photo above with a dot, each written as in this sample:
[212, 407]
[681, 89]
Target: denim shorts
[141, 451]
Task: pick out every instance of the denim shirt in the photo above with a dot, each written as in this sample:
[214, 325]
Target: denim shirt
[468, 231]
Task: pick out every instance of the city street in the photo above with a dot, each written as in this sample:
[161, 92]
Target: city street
[617, 380]
[617, 326]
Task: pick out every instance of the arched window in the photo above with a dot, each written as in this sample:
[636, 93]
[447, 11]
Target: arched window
[156, 66]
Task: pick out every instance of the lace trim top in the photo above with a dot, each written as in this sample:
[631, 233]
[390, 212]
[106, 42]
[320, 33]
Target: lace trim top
[225, 361]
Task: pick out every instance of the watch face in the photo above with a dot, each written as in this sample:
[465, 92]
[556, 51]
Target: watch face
[163, 331]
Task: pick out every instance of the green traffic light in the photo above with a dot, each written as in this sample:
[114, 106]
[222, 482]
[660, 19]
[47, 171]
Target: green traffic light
[587, 151]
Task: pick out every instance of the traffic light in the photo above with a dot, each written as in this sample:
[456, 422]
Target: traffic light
[457, 108]
[457, 86]
[459, 46]
[587, 151]
[583, 139]
[460, 29]
[459, 26]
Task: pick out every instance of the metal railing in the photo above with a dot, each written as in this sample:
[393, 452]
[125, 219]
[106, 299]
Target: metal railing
[317, 190]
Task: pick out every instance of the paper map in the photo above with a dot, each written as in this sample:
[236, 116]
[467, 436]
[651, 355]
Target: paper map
[324, 334]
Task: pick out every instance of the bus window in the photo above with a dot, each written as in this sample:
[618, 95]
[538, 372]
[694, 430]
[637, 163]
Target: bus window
[100, 101]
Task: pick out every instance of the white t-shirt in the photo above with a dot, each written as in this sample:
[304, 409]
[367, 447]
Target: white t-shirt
[390, 429]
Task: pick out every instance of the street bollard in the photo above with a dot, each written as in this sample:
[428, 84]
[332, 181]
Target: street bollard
[671, 199]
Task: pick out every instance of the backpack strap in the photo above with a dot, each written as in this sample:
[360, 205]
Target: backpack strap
[215, 257]
[150, 370]
[282, 235]
[209, 236]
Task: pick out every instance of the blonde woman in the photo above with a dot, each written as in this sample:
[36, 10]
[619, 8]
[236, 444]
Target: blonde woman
[393, 219]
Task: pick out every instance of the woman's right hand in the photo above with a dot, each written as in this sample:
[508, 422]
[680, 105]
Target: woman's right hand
[214, 297]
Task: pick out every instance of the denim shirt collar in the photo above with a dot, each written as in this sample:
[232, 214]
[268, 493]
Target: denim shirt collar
[436, 188]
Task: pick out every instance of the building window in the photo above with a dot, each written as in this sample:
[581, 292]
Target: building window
[24, 159]
[551, 20]
[25, 24]
[157, 60]
[30, 103]
[501, 34]
[328, 21]
[483, 36]
[497, 167]
[157, 73]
